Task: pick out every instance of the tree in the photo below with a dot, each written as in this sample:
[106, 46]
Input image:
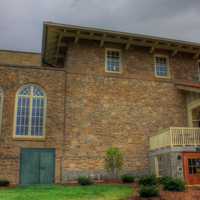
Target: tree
[113, 161]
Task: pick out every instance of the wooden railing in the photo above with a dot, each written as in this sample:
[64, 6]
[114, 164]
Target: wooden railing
[176, 136]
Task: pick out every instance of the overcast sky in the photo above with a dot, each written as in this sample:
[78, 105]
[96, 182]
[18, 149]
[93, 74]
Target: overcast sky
[21, 20]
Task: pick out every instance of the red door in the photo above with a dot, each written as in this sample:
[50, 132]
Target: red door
[191, 163]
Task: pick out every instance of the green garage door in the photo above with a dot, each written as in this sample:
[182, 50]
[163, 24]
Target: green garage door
[37, 166]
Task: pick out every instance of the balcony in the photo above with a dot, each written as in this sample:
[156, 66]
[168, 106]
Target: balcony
[176, 137]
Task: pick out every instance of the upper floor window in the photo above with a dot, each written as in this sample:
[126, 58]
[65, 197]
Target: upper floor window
[30, 111]
[161, 66]
[1, 107]
[198, 71]
[113, 60]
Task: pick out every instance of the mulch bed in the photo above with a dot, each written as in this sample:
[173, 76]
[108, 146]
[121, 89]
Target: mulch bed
[189, 194]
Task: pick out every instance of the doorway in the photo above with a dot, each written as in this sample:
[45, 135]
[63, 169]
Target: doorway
[191, 163]
[37, 166]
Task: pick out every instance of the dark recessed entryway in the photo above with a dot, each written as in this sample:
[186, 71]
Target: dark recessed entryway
[37, 166]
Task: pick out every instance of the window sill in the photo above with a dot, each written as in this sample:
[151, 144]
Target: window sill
[163, 77]
[28, 138]
[113, 72]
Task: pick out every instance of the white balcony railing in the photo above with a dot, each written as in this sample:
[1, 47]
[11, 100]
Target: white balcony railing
[176, 136]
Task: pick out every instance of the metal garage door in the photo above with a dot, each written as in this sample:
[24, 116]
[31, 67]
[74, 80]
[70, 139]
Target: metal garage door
[37, 166]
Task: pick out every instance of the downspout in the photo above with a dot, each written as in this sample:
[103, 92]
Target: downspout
[64, 125]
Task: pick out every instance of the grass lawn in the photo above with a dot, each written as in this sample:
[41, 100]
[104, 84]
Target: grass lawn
[94, 192]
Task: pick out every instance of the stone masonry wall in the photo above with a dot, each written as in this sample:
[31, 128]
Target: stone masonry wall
[20, 58]
[100, 109]
[53, 83]
[122, 110]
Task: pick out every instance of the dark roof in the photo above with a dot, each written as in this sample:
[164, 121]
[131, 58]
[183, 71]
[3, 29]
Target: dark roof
[53, 34]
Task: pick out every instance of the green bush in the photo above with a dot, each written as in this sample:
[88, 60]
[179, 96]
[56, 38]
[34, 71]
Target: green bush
[163, 180]
[113, 161]
[149, 191]
[148, 180]
[126, 178]
[84, 180]
[174, 185]
[4, 183]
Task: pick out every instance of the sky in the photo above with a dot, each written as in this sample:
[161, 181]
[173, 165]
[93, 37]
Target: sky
[21, 21]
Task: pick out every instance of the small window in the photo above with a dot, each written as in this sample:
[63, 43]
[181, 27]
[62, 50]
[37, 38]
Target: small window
[161, 66]
[30, 111]
[198, 70]
[198, 66]
[194, 166]
[113, 61]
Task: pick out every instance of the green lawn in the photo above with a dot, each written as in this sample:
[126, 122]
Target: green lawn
[94, 192]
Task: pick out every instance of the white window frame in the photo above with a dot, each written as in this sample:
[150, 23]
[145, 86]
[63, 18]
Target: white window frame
[198, 70]
[1, 106]
[15, 136]
[120, 60]
[157, 170]
[168, 67]
[156, 167]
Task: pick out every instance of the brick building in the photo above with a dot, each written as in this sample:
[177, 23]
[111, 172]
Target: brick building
[91, 89]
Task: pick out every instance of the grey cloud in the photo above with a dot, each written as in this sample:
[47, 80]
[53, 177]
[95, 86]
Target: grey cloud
[21, 20]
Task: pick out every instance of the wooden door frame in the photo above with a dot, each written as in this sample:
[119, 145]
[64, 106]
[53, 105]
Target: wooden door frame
[184, 163]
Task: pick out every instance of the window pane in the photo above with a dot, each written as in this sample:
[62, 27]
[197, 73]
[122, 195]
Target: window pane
[37, 117]
[30, 111]
[194, 166]
[22, 118]
[25, 91]
[113, 61]
[37, 92]
[161, 66]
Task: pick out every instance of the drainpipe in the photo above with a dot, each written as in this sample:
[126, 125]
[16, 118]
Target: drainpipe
[64, 125]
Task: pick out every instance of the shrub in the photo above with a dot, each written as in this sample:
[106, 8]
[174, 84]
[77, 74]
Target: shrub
[163, 180]
[126, 178]
[84, 180]
[174, 185]
[4, 183]
[113, 161]
[149, 191]
[148, 180]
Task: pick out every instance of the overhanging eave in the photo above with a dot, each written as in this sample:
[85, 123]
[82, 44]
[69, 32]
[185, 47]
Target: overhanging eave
[53, 34]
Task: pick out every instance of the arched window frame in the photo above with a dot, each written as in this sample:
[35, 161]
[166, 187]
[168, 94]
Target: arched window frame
[16, 109]
[1, 107]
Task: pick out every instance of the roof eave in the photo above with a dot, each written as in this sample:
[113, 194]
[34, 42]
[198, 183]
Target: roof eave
[102, 35]
[84, 28]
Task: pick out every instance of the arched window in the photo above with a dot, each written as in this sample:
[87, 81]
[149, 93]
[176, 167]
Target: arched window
[30, 111]
[1, 107]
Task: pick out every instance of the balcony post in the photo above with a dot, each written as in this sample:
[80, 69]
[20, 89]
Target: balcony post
[183, 136]
[171, 137]
[194, 137]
